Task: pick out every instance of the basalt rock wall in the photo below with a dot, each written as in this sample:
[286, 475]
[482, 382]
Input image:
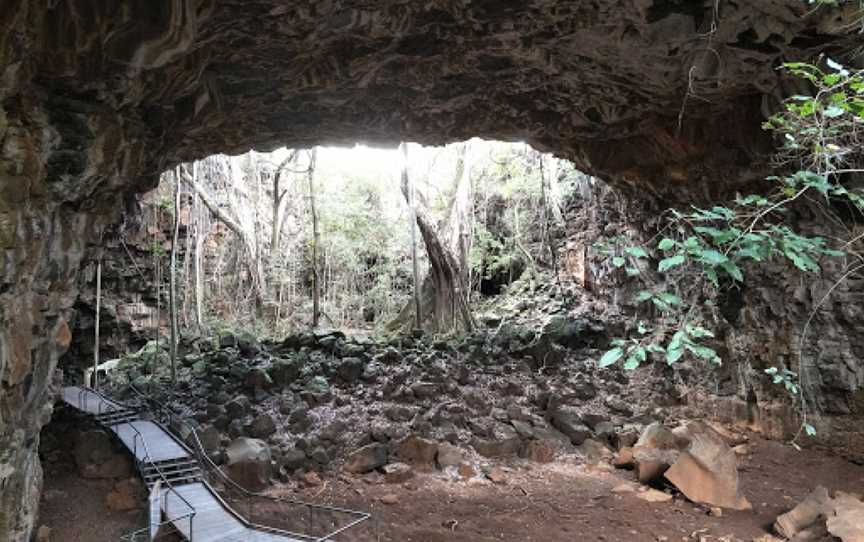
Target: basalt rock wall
[662, 97]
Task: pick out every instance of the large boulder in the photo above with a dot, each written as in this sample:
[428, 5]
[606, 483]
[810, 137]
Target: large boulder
[367, 458]
[449, 456]
[350, 369]
[846, 518]
[706, 471]
[262, 427]
[842, 517]
[417, 451]
[284, 372]
[502, 440]
[568, 420]
[655, 451]
[249, 463]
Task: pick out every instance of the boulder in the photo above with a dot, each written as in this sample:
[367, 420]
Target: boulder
[569, 421]
[540, 451]
[237, 407]
[707, 470]
[284, 372]
[814, 506]
[502, 441]
[417, 451]
[367, 458]
[565, 331]
[449, 456]
[262, 427]
[258, 379]
[397, 473]
[818, 515]
[655, 451]
[424, 390]
[292, 459]
[249, 464]
[846, 519]
[350, 369]
[624, 458]
[210, 438]
[594, 451]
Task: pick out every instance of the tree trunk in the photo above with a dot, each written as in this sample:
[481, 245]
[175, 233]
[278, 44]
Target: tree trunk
[316, 239]
[280, 203]
[252, 263]
[199, 247]
[172, 288]
[418, 307]
[444, 294]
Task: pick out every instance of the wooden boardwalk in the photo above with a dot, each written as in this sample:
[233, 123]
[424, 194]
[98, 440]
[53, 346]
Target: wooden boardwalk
[194, 509]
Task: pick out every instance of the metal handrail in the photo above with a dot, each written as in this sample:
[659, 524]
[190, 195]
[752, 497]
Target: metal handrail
[147, 458]
[145, 531]
[205, 458]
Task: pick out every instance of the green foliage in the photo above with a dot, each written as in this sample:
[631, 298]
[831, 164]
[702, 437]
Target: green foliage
[491, 254]
[789, 379]
[706, 251]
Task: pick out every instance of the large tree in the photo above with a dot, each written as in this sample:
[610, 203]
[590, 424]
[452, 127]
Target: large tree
[444, 293]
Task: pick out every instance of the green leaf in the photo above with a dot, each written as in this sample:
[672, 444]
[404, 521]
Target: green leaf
[660, 304]
[668, 263]
[673, 355]
[733, 271]
[703, 352]
[636, 252]
[656, 348]
[712, 276]
[699, 332]
[610, 357]
[711, 257]
[666, 244]
[669, 299]
[771, 370]
[810, 430]
[643, 296]
[719, 237]
[618, 342]
[631, 364]
[834, 111]
[618, 261]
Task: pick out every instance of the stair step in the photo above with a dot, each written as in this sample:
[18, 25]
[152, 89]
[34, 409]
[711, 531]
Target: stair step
[174, 481]
[171, 465]
[168, 474]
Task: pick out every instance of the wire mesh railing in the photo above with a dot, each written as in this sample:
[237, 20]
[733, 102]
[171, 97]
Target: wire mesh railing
[267, 513]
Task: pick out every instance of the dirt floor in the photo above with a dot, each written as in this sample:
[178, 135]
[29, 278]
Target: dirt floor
[562, 501]
[75, 510]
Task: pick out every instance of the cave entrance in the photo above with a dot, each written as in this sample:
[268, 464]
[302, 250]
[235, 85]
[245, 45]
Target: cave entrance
[255, 232]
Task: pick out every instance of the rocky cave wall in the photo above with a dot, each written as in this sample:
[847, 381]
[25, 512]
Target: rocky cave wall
[98, 96]
[779, 317]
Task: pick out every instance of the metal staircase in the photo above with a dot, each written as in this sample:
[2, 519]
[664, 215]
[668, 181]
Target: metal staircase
[178, 473]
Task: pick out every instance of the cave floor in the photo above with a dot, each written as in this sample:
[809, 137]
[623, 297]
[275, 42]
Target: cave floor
[561, 501]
